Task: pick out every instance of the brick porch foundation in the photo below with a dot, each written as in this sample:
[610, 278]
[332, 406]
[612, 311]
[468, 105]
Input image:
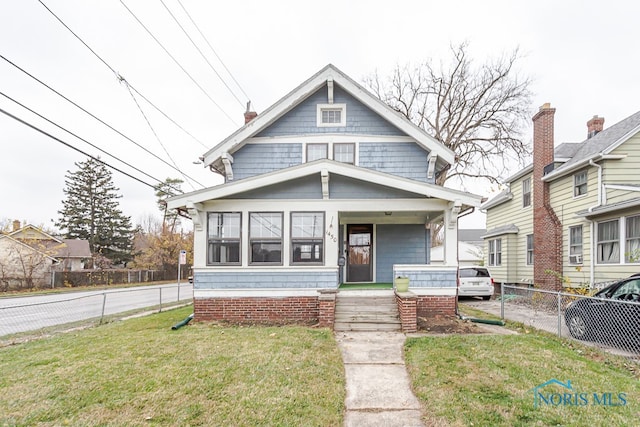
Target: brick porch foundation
[432, 306]
[259, 310]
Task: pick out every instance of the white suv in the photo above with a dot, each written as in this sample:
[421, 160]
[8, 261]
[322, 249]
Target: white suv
[475, 282]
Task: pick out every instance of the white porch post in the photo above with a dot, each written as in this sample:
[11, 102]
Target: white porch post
[451, 233]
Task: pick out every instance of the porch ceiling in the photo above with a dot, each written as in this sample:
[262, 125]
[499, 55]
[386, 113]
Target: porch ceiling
[390, 217]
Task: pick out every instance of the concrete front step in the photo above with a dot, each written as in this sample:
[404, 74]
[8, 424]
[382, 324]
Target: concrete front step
[367, 317]
[388, 327]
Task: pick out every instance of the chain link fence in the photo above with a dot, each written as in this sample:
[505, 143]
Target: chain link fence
[54, 312]
[611, 323]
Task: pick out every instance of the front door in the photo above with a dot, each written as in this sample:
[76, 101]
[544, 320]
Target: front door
[359, 253]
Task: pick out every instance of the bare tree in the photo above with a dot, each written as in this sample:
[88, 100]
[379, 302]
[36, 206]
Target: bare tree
[479, 112]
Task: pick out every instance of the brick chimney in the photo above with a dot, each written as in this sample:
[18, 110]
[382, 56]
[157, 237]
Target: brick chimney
[547, 229]
[595, 125]
[16, 225]
[249, 115]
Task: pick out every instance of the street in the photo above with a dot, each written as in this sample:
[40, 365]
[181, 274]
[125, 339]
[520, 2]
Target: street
[29, 313]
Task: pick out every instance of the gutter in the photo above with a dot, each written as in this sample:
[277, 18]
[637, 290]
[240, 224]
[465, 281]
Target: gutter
[561, 172]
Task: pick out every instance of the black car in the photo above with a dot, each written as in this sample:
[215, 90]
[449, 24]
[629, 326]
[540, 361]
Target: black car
[612, 316]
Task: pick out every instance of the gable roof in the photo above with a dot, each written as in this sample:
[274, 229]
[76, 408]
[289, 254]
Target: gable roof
[306, 89]
[598, 146]
[7, 237]
[318, 167]
[45, 236]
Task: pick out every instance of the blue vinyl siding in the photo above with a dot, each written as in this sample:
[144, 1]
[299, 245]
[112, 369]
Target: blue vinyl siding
[303, 118]
[262, 280]
[308, 187]
[342, 187]
[256, 159]
[405, 159]
[430, 279]
[399, 244]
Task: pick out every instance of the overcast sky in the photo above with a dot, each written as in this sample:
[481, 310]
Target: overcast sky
[580, 55]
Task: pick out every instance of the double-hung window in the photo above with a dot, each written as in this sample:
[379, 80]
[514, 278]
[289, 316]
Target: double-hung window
[316, 152]
[632, 250]
[529, 249]
[344, 152]
[307, 237]
[223, 235]
[495, 252]
[526, 192]
[265, 237]
[608, 242]
[580, 184]
[575, 245]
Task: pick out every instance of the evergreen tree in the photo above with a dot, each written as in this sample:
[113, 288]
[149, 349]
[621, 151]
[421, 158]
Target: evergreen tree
[91, 212]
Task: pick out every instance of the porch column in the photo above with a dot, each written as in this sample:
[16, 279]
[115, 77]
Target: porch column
[451, 233]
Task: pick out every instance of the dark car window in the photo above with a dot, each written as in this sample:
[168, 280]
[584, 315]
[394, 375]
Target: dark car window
[474, 272]
[631, 287]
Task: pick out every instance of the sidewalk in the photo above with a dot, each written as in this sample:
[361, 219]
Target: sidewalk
[378, 387]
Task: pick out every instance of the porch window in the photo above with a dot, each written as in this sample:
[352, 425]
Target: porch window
[495, 252]
[633, 239]
[265, 237]
[526, 193]
[345, 153]
[580, 184]
[608, 242]
[223, 234]
[316, 152]
[529, 249]
[307, 237]
[575, 245]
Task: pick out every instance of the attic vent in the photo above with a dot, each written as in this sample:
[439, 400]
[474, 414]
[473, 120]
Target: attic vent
[332, 115]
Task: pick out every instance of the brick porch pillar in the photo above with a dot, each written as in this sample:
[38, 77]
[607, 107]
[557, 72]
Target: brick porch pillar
[327, 308]
[407, 309]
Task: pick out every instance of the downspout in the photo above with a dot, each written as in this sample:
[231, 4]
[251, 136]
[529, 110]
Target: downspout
[592, 258]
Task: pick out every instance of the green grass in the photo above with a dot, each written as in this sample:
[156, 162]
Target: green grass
[487, 380]
[348, 286]
[140, 372]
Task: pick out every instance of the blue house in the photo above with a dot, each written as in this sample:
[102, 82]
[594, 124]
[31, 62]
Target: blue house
[327, 186]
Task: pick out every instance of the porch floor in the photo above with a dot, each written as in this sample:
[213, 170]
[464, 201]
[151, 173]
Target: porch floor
[358, 286]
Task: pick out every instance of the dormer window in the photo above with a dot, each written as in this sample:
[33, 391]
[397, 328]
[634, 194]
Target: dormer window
[332, 115]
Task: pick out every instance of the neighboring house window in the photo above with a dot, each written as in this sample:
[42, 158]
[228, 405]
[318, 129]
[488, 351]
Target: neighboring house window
[608, 242]
[575, 245]
[529, 249]
[580, 184]
[224, 238]
[265, 237]
[307, 237]
[495, 252]
[332, 115]
[316, 152]
[633, 239]
[526, 192]
[345, 153]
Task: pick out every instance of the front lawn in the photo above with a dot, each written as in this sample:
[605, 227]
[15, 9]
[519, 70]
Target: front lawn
[488, 380]
[140, 372]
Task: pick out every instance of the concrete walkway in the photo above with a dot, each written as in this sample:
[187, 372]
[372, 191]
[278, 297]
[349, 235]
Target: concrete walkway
[378, 390]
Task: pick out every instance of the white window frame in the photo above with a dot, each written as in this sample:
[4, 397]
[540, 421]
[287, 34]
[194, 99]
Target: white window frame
[576, 248]
[577, 186]
[600, 244]
[332, 107]
[632, 242]
[526, 195]
[316, 144]
[344, 144]
[530, 252]
[495, 252]
[313, 239]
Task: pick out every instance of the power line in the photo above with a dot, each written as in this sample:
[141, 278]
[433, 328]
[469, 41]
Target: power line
[97, 118]
[82, 139]
[178, 63]
[156, 135]
[200, 52]
[117, 74]
[37, 129]
[212, 49]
